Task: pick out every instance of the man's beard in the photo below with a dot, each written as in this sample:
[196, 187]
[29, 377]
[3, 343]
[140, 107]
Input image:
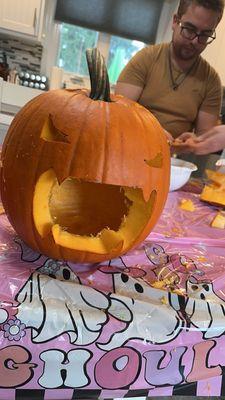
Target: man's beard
[185, 53]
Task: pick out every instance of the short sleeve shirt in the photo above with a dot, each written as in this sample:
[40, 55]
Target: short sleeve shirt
[176, 110]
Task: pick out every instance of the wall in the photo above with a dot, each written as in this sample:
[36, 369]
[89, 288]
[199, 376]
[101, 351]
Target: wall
[214, 53]
[50, 38]
[164, 32]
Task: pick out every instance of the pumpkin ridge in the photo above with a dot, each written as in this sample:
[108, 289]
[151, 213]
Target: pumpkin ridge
[153, 125]
[17, 150]
[95, 106]
[75, 146]
[106, 140]
[17, 124]
[36, 170]
[128, 135]
[110, 137]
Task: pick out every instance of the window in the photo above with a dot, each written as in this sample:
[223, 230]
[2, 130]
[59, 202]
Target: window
[120, 52]
[74, 40]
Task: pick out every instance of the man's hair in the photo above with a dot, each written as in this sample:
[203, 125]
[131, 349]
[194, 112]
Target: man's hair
[215, 5]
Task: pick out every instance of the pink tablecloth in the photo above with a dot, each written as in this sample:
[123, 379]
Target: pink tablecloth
[151, 323]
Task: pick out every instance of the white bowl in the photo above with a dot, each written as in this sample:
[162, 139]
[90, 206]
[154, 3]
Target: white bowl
[180, 173]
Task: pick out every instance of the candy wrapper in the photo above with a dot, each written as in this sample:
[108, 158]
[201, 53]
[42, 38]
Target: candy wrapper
[150, 323]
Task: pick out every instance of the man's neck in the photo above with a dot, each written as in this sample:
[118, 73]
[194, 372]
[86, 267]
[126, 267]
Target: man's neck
[183, 65]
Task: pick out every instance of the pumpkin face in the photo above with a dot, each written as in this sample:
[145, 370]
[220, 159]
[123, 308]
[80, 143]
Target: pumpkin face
[83, 179]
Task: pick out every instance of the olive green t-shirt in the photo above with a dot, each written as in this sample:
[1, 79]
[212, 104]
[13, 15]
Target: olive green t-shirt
[177, 109]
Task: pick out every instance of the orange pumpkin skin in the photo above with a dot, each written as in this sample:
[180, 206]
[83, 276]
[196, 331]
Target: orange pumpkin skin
[114, 143]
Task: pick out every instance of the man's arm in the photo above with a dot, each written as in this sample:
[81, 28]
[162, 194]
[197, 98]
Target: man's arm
[132, 78]
[208, 115]
[131, 91]
[205, 121]
[210, 142]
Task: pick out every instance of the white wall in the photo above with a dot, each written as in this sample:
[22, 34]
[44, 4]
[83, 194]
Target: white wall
[164, 32]
[50, 38]
[214, 52]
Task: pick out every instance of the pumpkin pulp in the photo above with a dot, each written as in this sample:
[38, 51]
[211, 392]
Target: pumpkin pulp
[85, 215]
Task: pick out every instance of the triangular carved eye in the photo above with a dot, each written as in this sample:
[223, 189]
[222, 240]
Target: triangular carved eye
[156, 162]
[51, 134]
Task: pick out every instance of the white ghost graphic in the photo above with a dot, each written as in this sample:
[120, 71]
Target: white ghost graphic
[150, 314]
[56, 303]
[205, 310]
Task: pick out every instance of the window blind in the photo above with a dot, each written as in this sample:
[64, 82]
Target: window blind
[131, 19]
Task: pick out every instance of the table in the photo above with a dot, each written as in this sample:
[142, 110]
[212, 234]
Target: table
[150, 323]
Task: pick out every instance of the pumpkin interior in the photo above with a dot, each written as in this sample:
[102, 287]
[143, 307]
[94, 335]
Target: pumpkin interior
[89, 216]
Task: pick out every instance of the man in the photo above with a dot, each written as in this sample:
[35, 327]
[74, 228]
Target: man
[172, 80]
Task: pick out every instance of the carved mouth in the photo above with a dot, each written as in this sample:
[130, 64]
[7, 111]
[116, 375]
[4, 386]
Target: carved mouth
[88, 216]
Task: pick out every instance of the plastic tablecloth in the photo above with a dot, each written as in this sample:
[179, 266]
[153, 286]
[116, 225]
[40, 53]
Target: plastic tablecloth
[150, 323]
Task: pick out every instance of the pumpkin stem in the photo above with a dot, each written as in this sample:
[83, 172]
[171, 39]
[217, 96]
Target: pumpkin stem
[100, 88]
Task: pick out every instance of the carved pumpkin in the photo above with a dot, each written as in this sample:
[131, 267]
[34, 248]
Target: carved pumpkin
[84, 175]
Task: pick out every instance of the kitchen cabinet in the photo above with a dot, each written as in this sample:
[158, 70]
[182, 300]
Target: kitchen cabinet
[22, 16]
[13, 97]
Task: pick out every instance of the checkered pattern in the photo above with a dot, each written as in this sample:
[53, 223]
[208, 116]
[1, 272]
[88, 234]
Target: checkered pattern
[212, 387]
[188, 389]
[70, 394]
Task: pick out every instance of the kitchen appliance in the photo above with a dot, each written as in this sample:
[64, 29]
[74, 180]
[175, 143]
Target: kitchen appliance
[33, 80]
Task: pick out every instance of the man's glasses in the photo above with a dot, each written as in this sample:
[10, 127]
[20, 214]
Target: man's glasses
[190, 34]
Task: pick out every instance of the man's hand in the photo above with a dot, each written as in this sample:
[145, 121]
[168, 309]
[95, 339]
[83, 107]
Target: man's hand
[183, 143]
[210, 142]
[185, 136]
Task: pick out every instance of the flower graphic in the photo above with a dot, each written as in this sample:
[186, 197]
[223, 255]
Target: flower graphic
[14, 329]
[7, 311]
[3, 316]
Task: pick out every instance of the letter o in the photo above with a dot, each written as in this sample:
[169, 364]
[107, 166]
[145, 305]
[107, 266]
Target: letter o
[109, 377]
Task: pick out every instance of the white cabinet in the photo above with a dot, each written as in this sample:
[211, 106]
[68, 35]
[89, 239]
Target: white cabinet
[22, 16]
[13, 97]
